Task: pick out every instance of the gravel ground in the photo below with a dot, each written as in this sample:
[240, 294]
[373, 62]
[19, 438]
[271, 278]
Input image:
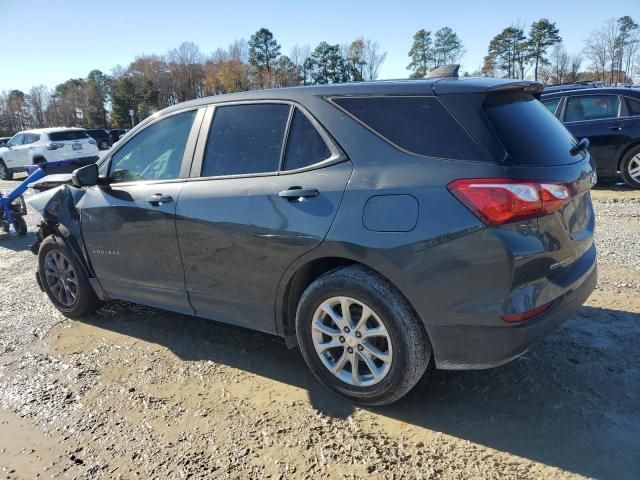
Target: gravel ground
[133, 392]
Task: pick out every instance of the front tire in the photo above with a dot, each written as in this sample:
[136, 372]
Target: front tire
[630, 167]
[360, 337]
[64, 280]
[104, 145]
[5, 173]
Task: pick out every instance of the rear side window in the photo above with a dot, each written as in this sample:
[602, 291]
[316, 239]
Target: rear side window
[552, 104]
[305, 145]
[591, 107]
[420, 125]
[633, 106]
[245, 139]
[67, 136]
[530, 134]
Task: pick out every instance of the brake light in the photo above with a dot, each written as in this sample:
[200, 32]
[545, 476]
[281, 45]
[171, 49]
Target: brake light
[502, 200]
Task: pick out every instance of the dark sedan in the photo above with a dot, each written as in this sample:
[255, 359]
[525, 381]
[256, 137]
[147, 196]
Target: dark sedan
[102, 138]
[610, 119]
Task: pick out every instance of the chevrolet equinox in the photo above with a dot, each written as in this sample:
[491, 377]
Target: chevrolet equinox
[381, 227]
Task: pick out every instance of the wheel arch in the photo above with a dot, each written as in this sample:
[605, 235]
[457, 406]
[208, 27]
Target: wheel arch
[302, 274]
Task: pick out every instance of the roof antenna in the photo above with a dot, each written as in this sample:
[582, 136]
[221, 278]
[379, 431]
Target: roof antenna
[444, 71]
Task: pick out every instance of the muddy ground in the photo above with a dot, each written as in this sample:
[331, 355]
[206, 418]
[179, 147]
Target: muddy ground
[133, 392]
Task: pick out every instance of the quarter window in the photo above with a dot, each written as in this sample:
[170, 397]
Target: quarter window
[155, 153]
[591, 107]
[245, 139]
[552, 104]
[305, 145]
[633, 105]
[420, 125]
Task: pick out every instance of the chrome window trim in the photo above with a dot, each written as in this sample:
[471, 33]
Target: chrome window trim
[337, 155]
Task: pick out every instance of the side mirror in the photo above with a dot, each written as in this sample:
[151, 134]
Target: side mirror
[86, 176]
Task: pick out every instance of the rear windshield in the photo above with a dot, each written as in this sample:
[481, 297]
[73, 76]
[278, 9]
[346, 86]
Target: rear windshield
[420, 125]
[67, 136]
[530, 133]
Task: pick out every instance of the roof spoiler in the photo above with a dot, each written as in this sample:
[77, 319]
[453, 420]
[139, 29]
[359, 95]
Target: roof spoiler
[533, 88]
[445, 71]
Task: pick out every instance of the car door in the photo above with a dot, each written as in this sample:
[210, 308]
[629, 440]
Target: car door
[128, 226]
[13, 158]
[596, 117]
[254, 205]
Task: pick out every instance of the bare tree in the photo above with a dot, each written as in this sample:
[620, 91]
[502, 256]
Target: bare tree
[38, 100]
[185, 65]
[374, 58]
[559, 63]
[575, 62]
[596, 51]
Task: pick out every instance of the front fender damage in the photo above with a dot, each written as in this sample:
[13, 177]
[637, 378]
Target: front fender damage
[61, 217]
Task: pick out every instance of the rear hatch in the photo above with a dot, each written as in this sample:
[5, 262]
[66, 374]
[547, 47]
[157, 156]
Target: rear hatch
[73, 143]
[531, 145]
[539, 147]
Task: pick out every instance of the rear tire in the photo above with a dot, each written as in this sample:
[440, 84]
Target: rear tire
[64, 280]
[388, 343]
[103, 145]
[630, 167]
[5, 173]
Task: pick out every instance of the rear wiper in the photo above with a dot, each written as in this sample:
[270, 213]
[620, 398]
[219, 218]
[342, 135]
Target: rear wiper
[581, 146]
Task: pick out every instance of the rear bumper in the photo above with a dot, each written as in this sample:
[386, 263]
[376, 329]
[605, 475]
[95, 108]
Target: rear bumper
[476, 347]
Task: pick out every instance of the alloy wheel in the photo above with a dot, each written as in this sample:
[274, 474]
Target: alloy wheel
[352, 341]
[61, 277]
[633, 168]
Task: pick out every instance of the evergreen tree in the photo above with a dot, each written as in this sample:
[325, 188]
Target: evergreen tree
[263, 52]
[542, 35]
[447, 47]
[421, 54]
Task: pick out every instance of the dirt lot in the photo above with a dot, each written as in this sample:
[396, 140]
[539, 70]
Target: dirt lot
[133, 392]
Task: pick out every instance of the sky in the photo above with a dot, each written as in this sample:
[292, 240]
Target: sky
[49, 42]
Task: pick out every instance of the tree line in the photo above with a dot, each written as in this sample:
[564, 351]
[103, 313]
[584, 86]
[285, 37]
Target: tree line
[153, 82]
[612, 53]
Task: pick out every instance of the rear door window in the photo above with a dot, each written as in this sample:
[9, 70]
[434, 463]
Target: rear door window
[552, 104]
[68, 136]
[245, 139]
[530, 134]
[591, 107]
[305, 145]
[419, 125]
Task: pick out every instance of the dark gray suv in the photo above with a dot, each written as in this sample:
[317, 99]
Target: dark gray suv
[379, 226]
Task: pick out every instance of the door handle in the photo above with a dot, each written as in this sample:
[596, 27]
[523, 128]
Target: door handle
[158, 199]
[297, 194]
[617, 128]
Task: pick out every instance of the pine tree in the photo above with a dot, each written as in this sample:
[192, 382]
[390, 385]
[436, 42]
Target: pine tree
[421, 54]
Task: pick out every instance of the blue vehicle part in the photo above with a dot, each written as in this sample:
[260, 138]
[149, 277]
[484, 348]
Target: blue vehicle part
[9, 215]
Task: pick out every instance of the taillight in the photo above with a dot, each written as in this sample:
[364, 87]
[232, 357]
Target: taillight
[503, 200]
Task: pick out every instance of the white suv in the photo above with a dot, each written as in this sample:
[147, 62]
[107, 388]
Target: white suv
[47, 145]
